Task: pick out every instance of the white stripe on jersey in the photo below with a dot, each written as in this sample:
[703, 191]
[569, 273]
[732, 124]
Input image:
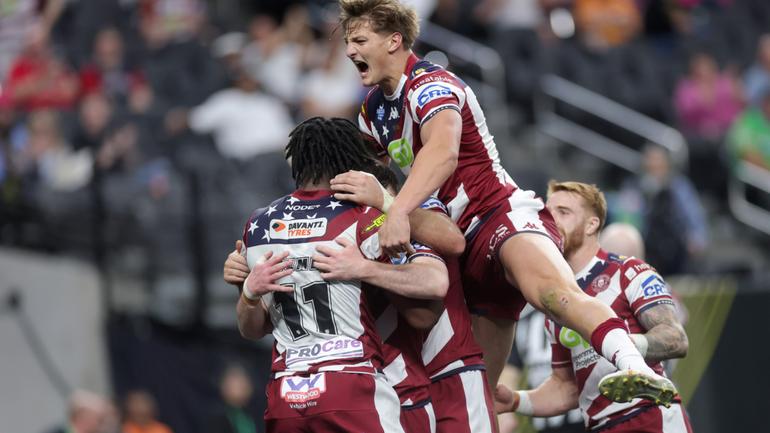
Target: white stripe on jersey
[457, 206]
[431, 417]
[396, 370]
[439, 336]
[475, 403]
[673, 419]
[387, 322]
[388, 406]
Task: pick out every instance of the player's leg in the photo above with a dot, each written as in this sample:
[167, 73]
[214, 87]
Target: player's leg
[495, 336]
[459, 405]
[535, 265]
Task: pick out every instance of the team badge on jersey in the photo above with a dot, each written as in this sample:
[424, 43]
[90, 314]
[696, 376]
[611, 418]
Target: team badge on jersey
[302, 390]
[600, 283]
[297, 229]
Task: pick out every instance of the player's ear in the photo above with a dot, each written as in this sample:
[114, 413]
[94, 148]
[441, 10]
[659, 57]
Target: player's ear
[395, 42]
[592, 228]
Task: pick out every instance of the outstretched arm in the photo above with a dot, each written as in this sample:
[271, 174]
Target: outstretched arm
[434, 164]
[558, 394]
[422, 278]
[665, 337]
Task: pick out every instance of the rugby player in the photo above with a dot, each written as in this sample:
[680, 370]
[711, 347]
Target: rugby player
[327, 357]
[431, 124]
[635, 291]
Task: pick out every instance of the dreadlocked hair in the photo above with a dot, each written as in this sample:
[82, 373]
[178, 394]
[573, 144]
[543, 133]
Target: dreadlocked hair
[320, 149]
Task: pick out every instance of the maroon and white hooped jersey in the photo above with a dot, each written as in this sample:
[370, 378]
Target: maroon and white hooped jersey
[393, 122]
[629, 286]
[322, 325]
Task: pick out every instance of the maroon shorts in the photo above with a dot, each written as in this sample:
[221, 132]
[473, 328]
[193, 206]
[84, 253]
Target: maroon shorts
[332, 402]
[463, 403]
[653, 420]
[487, 291]
[419, 418]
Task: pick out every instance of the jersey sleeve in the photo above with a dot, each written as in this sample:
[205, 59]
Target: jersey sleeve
[367, 235]
[434, 204]
[560, 355]
[643, 286]
[434, 93]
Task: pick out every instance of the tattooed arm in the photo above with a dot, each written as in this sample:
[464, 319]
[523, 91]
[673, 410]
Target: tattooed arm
[665, 336]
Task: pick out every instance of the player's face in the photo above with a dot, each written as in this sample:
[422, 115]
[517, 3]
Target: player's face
[570, 217]
[368, 51]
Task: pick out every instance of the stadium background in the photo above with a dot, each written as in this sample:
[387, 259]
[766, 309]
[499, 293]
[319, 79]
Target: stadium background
[129, 166]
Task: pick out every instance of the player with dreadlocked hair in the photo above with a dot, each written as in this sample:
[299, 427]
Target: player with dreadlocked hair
[328, 360]
[320, 149]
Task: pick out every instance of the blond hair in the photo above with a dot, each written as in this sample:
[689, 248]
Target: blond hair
[384, 16]
[593, 198]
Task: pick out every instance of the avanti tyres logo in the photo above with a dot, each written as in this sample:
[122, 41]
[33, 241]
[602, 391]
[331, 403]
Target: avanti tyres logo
[298, 229]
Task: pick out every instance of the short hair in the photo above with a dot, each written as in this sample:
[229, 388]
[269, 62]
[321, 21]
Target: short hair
[321, 148]
[389, 16]
[593, 198]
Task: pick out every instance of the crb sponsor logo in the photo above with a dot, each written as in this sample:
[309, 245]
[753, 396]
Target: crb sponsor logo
[336, 348]
[294, 229]
[431, 92]
[654, 286]
[296, 389]
[302, 207]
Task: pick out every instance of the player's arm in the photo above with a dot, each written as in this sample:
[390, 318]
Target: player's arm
[253, 317]
[423, 277]
[558, 394]
[419, 313]
[665, 337]
[426, 226]
[434, 164]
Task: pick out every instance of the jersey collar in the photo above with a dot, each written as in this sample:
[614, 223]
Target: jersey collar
[410, 62]
[600, 256]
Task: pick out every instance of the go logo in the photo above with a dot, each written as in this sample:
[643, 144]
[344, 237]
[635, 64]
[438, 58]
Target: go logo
[571, 339]
[401, 152]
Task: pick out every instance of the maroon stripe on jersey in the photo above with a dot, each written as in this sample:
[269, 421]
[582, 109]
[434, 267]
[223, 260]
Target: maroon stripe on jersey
[581, 376]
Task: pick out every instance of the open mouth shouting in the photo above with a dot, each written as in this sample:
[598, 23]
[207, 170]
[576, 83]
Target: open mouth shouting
[363, 67]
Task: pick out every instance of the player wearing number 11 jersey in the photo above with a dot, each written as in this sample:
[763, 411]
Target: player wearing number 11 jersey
[327, 357]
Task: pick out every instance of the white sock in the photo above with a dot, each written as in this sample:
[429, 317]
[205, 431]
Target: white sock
[618, 348]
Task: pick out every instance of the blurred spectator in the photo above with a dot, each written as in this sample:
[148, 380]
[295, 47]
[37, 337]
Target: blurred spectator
[245, 121]
[603, 24]
[87, 413]
[140, 414]
[623, 239]
[330, 88]
[49, 158]
[707, 100]
[38, 78]
[236, 391]
[275, 55]
[749, 137]
[108, 73]
[94, 115]
[757, 77]
[666, 208]
[164, 21]
[17, 19]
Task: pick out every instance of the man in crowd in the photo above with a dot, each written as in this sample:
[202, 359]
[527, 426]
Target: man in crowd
[637, 294]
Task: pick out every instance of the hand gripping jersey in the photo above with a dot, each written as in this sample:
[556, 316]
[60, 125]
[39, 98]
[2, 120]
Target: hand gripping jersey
[322, 325]
[449, 347]
[629, 286]
[393, 122]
